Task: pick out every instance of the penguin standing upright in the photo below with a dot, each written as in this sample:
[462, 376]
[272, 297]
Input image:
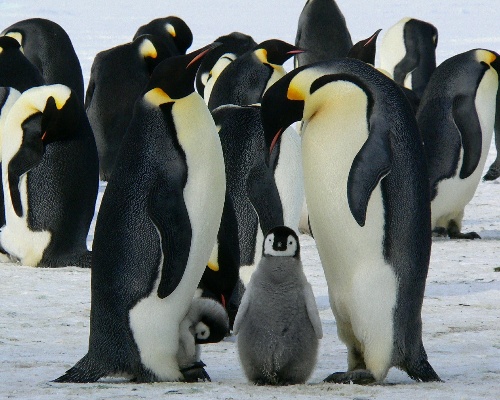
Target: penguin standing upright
[16, 70]
[408, 53]
[322, 31]
[232, 46]
[50, 178]
[366, 188]
[122, 72]
[245, 80]
[156, 227]
[278, 324]
[456, 118]
[48, 46]
[173, 31]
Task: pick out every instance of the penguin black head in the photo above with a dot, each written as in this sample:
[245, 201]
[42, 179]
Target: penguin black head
[281, 106]
[172, 28]
[275, 51]
[213, 325]
[281, 241]
[152, 50]
[7, 42]
[174, 77]
[365, 49]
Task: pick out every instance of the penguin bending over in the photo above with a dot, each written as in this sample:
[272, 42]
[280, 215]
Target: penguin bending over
[366, 188]
[50, 178]
[322, 31]
[244, 81]
[278, 324]
[16, 71]
[123, 72]
[456, 118]
[155, 230]
[408, 53]
[172, 31]
[48, 46]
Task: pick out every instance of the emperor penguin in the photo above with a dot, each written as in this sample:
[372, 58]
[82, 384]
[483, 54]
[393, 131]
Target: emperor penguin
[322, 31]
[278, 325]
[232, 46]
[205, 322]
[366, 186]
[47, 45]
[263, 196]
[121, 72]
[16, 71]
[50, 178]
[456, 118]
[155, 230]
[494, 169]
[408, 53]
[245, 80]
[173, 31]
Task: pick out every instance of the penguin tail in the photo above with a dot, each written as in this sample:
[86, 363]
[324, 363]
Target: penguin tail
[422, 371]
[84, 371]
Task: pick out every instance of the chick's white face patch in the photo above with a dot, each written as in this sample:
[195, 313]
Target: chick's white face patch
[279, 247]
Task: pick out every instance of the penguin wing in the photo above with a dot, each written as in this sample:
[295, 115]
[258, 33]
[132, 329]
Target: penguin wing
[264, 196]
[370, 165]
[467, 121]
[167, 210]
[312, 310]
[242, 309]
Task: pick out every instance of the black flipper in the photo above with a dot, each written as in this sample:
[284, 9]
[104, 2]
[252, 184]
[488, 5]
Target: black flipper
[370, 165]
[467, 122]
[168, 212]
[264, 196]
[85, 371]
[29, 155]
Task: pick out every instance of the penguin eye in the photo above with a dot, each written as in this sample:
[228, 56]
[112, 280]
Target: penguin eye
[290, 242]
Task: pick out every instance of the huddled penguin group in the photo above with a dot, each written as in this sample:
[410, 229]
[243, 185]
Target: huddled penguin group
[208, 183]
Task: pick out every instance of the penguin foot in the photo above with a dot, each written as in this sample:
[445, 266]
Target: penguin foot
[357, 376]
[195, 373]
[440, 232]
[460, 235]
[492, 174]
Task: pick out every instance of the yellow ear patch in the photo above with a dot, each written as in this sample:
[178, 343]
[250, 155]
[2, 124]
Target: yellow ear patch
[157, 97]
[212, 261]
[486, 56]
[18, 37]
[1, 49]
[261, 54]
[213, 267]
[294, 93]
[147, 49]
[170, 30]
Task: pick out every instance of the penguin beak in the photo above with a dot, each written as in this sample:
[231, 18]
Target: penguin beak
[296, 51]
[281, 106]
[365, 49]
[198, 55]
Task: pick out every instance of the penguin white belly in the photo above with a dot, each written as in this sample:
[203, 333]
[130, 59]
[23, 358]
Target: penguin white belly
[362, 286]
[217, 69]
[392, 48]
[154, 321]
[278, 73]
[455, 193]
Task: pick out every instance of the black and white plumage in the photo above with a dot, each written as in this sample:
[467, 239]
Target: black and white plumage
[156, 228]
[47, 45]
[50, 178]
[278, 323]
[456, 118]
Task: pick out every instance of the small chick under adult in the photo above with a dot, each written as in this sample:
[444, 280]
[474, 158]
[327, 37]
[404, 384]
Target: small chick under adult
[278, 322]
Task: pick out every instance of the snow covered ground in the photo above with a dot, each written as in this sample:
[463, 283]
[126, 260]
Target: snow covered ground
[44, 313]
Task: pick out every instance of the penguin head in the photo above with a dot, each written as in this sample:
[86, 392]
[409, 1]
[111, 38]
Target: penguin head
[281, 241]
[180, 33]
[212, 322]
[365, 49]
[275, 51]
[174, 77]
[7, 43]
[152, 50]
[489, 59]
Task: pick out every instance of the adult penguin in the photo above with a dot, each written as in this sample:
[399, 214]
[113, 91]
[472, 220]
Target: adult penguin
[121, 72]
[156, 227]
[48, 46]
[494, 169]
[245, 80]
[16, 70]
[50, 178]
[367, 193]
[263, 197]
[232, 46]
[173, 31]
[408, 53]
[456, 119]
[322, 30]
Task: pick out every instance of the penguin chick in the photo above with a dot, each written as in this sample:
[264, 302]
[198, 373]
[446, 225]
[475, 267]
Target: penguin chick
[205, 322]
[278, 322]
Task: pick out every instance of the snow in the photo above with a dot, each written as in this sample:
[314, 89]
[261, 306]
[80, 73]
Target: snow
[44, 313]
